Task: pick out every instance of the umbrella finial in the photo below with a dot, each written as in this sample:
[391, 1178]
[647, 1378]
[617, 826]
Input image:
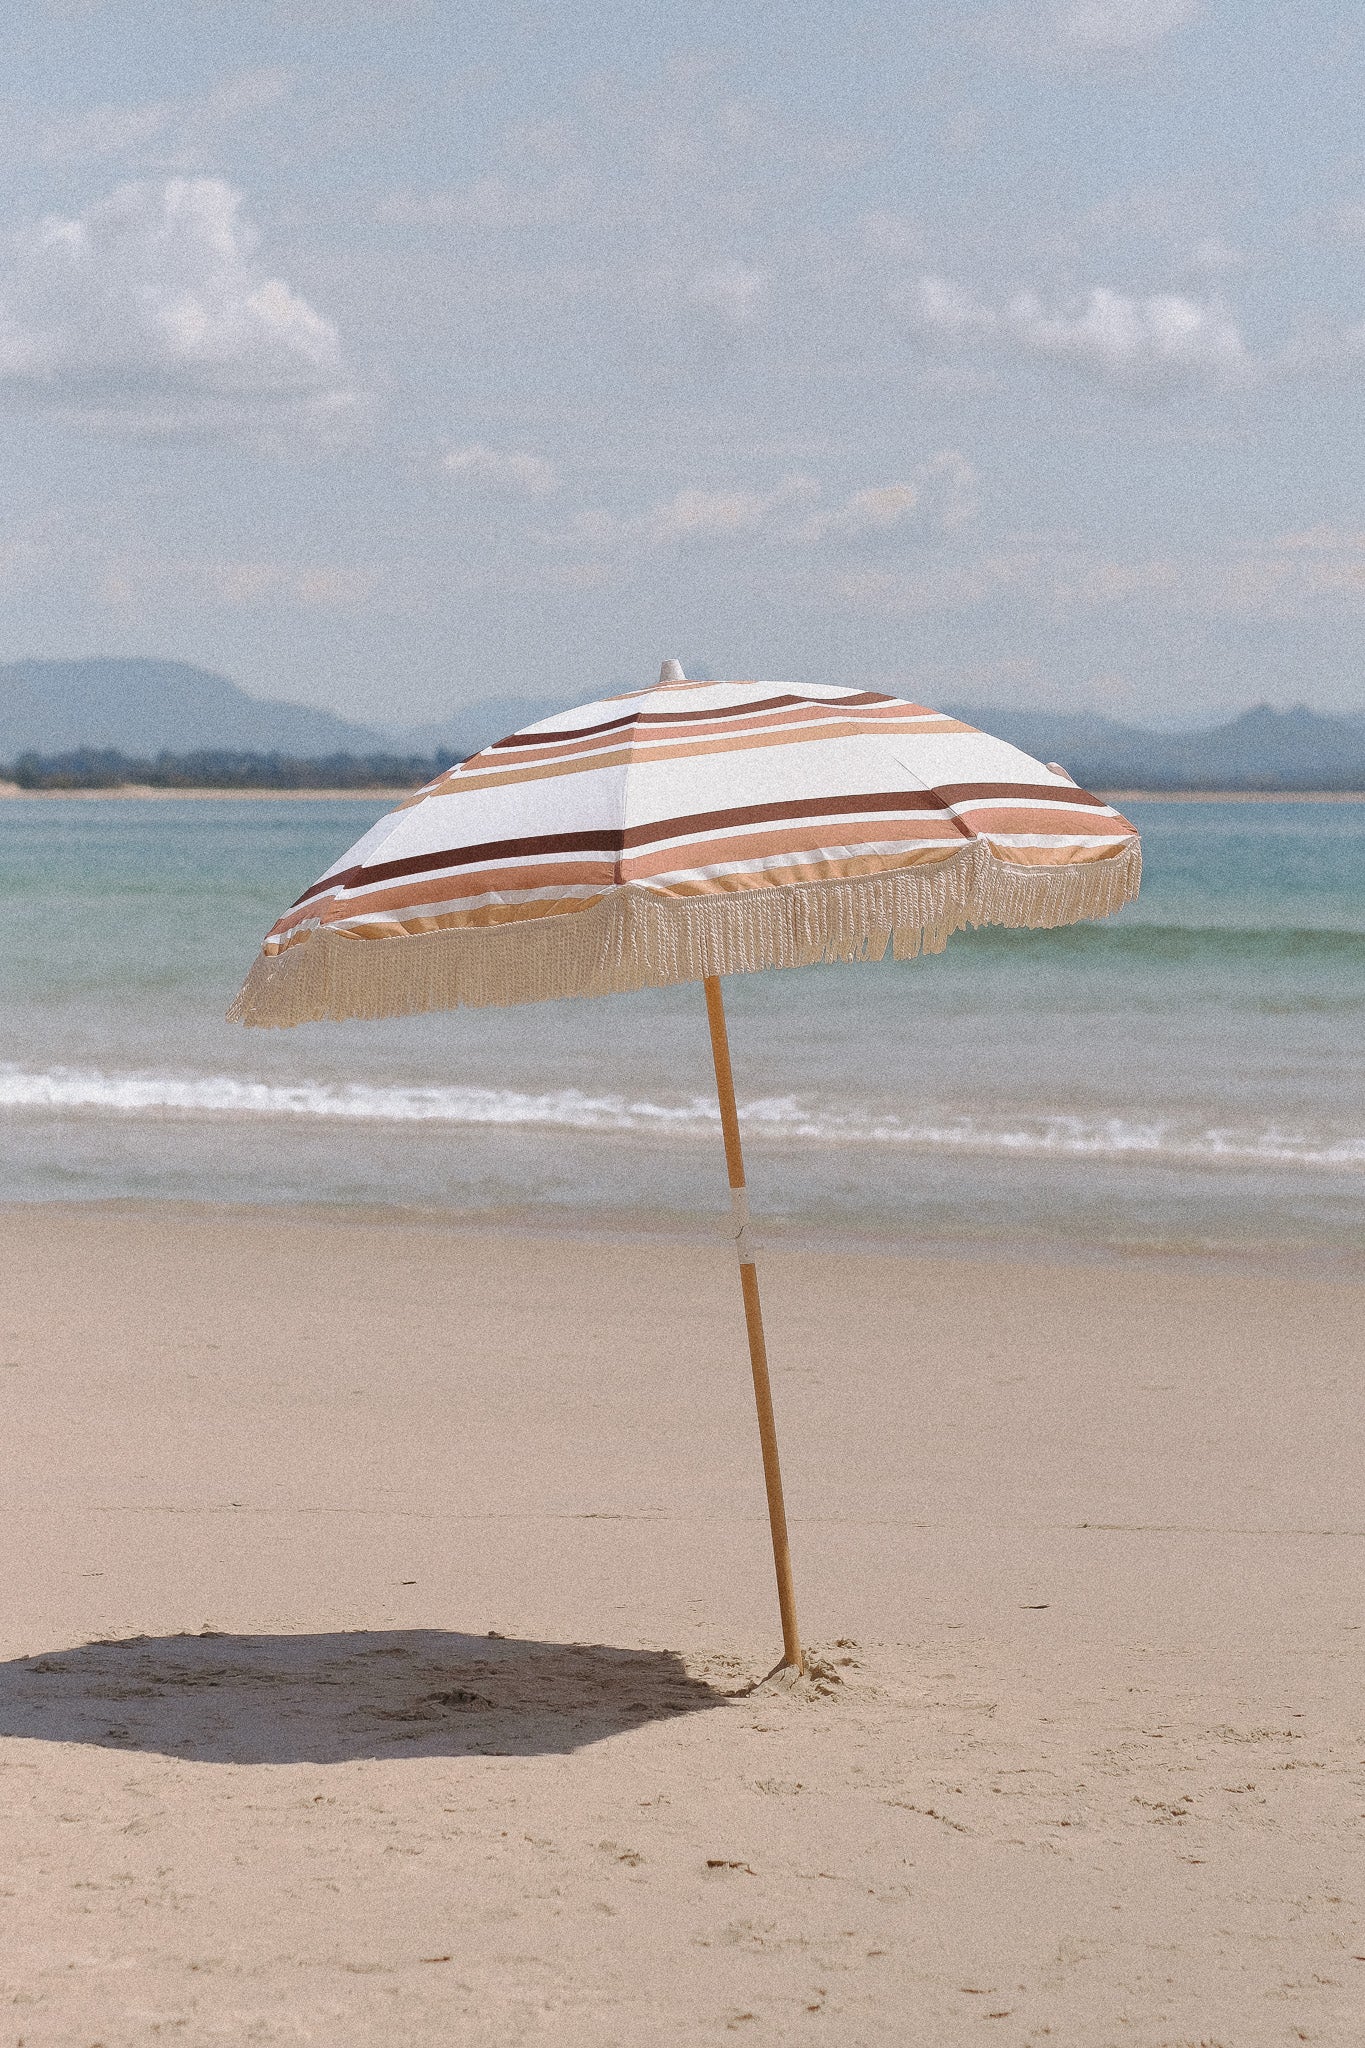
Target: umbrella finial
[672, 672]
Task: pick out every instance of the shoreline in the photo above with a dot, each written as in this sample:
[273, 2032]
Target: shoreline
[145, 793]
[648, 1230]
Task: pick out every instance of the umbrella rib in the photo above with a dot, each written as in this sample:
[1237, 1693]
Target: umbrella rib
[792, 1655]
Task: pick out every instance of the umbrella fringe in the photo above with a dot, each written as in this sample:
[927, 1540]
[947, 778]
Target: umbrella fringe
[635, 938]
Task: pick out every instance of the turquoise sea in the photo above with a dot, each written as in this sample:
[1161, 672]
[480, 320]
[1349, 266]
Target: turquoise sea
[1187, 1076]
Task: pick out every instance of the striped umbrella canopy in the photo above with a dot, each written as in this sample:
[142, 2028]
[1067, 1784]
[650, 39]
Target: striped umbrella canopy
[681, 833]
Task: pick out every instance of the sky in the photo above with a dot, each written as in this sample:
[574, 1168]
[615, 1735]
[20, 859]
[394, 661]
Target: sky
[389, 356]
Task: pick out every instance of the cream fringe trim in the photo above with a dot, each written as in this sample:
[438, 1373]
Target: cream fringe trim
[635, 938]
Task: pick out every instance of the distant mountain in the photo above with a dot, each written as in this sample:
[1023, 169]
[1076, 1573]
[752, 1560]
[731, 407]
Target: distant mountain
[471, 726]
[145, 707]
[468, 727]
[1262, 749]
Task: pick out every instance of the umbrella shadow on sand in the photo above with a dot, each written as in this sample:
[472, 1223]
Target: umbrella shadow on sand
[328, 1699]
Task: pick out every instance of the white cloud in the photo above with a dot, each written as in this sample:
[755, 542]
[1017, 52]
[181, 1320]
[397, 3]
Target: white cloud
[1323, 349]
[734, 290]
[1345, 222]
[935, 497]
[234, 584]
[1104, 25]
[715, 515]
[250, 583]
[148, 314]
[891, 236]
[1146, 343]
[491, 202]
[351, 14]
[172, 134]
[1077, 32]
[30, 548]
[1328, 561]
[875, 510]
[1287, 577]
[237, 585]
[939, 495]
[1157, 339]
[510, 471]
[1213, 257]
[940, 308]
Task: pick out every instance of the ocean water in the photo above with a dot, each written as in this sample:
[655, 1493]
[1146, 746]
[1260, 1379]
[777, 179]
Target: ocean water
[1187, 1076]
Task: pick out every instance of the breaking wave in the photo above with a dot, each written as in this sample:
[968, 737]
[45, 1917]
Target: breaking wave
[1061, 1135]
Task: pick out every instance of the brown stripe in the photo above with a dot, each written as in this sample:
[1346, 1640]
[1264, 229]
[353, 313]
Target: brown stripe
[508, 882]
[542, 739]
[700, 726]
[988, 821]
[373, 921]
[615, 839]
[607, 841]
[1048, 792]
[770, 847]
[629, 750]
[932, 836]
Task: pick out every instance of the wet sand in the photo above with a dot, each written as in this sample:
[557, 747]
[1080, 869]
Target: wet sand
[380, 1602]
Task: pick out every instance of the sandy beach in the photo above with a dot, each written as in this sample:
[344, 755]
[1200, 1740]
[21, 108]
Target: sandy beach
[381, 1595]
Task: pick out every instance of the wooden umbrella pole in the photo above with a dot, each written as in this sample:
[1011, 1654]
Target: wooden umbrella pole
[753, 1317]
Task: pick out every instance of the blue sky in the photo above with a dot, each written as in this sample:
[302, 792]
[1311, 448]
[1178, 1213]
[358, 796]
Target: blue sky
[389, 356]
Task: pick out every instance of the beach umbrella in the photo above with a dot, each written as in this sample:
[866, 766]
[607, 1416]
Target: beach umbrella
[681, 833]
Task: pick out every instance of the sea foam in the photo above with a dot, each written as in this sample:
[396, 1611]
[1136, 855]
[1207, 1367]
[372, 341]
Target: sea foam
[1057, 1134]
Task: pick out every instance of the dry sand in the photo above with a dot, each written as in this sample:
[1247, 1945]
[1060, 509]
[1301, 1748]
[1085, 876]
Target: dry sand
[1080, 1547]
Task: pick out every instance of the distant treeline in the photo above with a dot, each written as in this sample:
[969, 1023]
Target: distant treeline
[219, 768]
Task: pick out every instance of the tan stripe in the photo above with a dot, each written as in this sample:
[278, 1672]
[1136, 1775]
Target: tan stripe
[733, 884]
[766, 842]
[372, 920]
[718, 714]
[800, 869]
[847, 868]
[452, 887]
[930, 831]
[1076, 853]
[705, 726]
[623, 756]
[471, 886]
[680, 831]
[630, 743]
[482, 919]
[980, 821]
[728, 683]
[764, 839]
[684, 885]
[766, 845]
